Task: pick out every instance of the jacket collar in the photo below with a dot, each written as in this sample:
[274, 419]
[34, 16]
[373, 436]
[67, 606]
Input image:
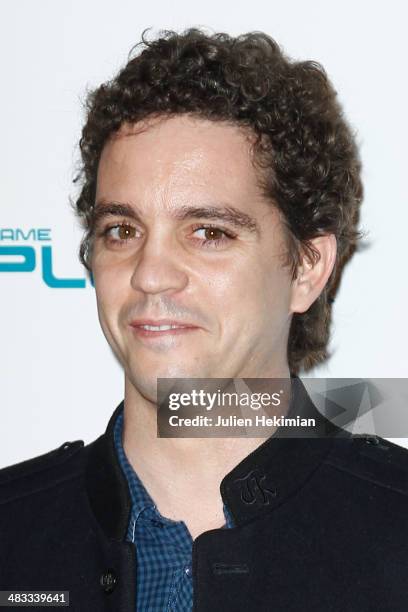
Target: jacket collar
[260, 482]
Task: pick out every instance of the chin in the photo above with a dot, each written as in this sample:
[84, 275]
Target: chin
[145, 381]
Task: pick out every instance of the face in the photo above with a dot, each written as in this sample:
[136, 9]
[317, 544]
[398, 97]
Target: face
[183, 234]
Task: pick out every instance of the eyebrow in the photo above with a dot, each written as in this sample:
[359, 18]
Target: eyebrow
[227, 214]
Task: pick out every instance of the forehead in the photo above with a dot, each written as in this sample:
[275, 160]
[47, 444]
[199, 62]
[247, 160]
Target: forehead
[178, 154]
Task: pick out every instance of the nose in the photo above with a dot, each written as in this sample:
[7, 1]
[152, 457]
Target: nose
[159, 266]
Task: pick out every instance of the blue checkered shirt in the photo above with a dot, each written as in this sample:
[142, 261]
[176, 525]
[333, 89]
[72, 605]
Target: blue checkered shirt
[163, 546]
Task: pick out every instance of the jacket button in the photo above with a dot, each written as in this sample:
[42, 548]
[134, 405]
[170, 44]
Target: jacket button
[372, 439]
[108, 581]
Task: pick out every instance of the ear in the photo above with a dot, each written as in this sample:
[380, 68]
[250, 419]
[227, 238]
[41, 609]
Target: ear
[312, 277]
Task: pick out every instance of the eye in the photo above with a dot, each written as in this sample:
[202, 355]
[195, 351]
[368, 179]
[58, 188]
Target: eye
[213, 235]
[119, 233]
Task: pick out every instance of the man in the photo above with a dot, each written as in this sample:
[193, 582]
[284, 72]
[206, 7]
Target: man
[220, 196]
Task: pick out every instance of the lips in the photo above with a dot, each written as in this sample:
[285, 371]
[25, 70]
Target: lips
[160, 322]
[157, 328]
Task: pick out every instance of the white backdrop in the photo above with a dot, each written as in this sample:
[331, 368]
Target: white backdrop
[59, 379]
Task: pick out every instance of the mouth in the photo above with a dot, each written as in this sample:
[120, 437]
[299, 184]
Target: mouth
[155, 329]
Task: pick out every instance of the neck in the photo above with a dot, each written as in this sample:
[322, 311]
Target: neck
[182, 475]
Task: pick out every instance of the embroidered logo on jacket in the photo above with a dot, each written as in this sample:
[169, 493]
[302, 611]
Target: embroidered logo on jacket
[253, 489]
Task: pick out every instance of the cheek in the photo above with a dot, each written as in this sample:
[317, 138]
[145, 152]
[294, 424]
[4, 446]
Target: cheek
[252, 298]
[262, 287]
[236, 295]
[109, 289]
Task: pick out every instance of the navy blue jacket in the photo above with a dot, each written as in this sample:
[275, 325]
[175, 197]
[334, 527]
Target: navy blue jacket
[321, 525]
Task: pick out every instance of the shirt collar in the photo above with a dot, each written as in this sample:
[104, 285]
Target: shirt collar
[260, 482]
[140, 498]
[142, 503]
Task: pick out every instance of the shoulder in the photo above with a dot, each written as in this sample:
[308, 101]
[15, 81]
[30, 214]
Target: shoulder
[373, 459]
[34, 475]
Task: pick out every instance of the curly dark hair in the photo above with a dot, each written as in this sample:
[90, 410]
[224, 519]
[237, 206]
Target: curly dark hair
[305, 151]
